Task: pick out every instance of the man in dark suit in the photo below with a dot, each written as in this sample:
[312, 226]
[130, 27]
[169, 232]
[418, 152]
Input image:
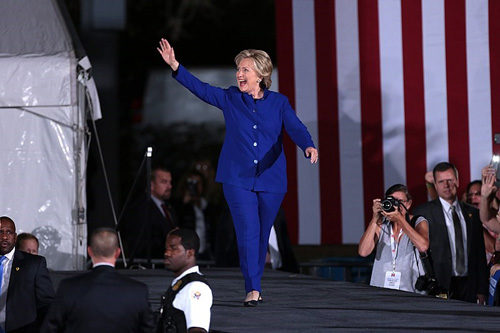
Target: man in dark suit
[147, 222]
[100, 300]
[26, 288]
[456, 239]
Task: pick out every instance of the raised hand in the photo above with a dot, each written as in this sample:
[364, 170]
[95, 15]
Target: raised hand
[394, 216]
[168, 54]
[377, 208]
[487, 170]
[429, 177]
[488, 187]
[313, 154]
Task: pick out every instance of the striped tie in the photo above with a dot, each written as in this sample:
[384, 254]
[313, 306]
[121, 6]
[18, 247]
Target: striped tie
[2, 259]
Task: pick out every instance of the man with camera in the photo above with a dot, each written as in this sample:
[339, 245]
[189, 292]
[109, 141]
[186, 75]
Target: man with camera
[456, 239]
[396, 234]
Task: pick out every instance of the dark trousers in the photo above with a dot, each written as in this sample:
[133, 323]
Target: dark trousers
[253, 216]
[458, 289]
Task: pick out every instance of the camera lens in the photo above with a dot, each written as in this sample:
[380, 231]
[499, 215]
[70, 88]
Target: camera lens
[387, 205]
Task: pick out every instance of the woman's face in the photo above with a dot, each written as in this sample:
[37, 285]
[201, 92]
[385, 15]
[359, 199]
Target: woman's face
[401, 196]
[247, 77]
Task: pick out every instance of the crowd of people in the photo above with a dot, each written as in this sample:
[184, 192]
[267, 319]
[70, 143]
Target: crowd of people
[101, 299]
[448, 246]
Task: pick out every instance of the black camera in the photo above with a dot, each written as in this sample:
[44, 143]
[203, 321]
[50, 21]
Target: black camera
[428, 282]
[192, 187]
[389, 204]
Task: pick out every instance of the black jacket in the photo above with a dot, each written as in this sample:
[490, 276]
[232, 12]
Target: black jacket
[477, 274]
[100, 300]
[30, 293]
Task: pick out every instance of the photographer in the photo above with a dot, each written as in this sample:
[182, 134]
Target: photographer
[397, 265]
[196, 213]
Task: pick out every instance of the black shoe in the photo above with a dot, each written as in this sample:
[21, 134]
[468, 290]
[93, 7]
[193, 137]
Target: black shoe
[252, 303]
[260, 299]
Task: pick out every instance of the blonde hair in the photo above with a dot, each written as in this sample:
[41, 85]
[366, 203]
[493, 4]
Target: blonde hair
[262, 63]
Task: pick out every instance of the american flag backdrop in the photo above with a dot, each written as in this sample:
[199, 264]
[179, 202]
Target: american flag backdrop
[387, 88]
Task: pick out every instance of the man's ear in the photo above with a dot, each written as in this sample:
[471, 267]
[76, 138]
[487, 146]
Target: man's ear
[190, 253]
[89, 250]
[117, 253]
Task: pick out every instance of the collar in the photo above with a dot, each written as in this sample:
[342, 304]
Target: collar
[157, 201]
[266, 93]
[446, 205]
[194, 269]
[10, 254]
[103, 264]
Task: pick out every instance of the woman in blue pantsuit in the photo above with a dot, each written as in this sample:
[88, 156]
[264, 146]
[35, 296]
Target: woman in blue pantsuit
[252, 166]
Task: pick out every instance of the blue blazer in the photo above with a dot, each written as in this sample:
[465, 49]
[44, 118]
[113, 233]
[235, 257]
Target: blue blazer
[252, 156]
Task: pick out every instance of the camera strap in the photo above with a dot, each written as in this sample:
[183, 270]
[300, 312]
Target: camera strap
[394, 246]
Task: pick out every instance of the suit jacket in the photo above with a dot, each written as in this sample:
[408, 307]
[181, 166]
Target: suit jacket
[30, 293]
[477, 282]
[145, 229]
[252, 155]
[100, 300]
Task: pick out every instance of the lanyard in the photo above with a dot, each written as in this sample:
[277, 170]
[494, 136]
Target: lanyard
[394, 247]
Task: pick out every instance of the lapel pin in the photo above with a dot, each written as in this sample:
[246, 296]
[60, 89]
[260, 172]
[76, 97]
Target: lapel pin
[17, 268]
[470, 215]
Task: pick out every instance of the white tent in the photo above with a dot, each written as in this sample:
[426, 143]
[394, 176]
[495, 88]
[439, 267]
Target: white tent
[46, 92]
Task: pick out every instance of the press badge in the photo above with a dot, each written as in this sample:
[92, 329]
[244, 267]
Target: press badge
[392, 280]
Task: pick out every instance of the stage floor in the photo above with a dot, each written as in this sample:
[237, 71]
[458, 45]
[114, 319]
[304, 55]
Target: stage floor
[300, 303]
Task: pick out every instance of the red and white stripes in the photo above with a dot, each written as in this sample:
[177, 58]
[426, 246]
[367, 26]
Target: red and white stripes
[387, 88]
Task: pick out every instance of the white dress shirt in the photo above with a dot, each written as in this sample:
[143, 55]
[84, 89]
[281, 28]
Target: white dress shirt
[195, 300]
[7, 267]
[97, 264]
[451, 233]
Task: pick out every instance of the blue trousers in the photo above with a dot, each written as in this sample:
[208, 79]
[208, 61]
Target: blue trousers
[253, 216]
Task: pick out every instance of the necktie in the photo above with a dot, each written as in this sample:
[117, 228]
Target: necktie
[459, 242]
[168, 216]
[2, 259]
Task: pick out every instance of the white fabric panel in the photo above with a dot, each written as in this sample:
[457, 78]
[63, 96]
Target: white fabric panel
[40, 146]
[38, 177]
[478, 85]
[392, 91]
[306, 107]
[36, 81]
[32, 27]
[435, 93]
[349, 104]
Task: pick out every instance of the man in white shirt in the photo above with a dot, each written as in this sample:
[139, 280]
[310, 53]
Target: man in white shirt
[456, 239]
[186, 304]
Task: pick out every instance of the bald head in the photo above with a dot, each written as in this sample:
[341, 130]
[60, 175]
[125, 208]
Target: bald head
[103, 243]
